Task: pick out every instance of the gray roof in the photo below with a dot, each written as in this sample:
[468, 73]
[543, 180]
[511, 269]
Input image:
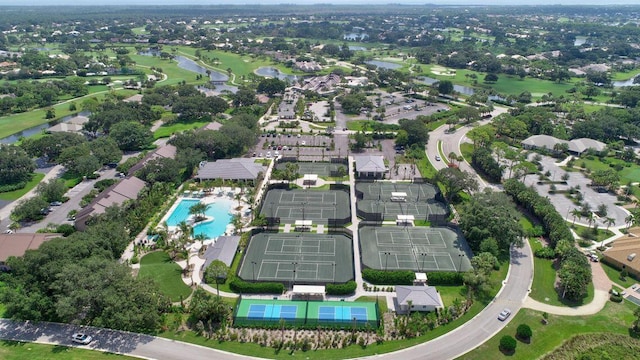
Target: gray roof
[224, 250]
[230, 169]
[544, 141]
[418, 295]
[583, 144]
[370, 163]
[576, 145]
[214, 125]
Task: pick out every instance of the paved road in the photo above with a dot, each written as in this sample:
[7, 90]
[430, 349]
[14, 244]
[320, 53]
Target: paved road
[482, 327]
[449, 346]
[451, 143]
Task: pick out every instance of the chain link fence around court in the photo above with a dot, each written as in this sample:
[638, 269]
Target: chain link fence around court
[320, 206]
[311, 314]
[322, 169]
[424, 201]
[422, 249]
[298, 258]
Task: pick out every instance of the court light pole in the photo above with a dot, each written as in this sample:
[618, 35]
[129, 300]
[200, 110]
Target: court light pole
[386, 260]
[334, 272]
[460, 256]
[253, 264]
[293, 283]
[423, 256]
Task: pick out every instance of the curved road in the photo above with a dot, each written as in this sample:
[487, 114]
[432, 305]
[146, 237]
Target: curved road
[449, 346]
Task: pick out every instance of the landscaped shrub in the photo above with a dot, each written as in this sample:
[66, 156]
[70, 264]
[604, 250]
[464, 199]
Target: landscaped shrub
[395, 277]
[524, 332]
[445, 278]
[341, 289]
[243, 287]
[508, 344]
[545, 253]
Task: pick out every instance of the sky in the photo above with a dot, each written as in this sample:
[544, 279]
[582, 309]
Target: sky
[268, 2]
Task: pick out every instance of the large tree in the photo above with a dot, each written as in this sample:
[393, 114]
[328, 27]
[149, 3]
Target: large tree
[131, 136]
[455, 180]
[417, 132]
[271, 86]
[491, 214]
[15, 165]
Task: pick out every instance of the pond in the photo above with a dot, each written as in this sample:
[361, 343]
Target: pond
[39, 128]
[580, 40]
[188, 64]
[465, 90]
[383, 64]
[357, 48]
[628, 82]
[269, 71]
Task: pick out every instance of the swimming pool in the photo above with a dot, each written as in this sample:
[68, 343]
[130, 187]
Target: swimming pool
[219, 210]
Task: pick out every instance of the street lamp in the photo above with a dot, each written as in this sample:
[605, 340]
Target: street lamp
[460, 256]
[423, 256]
[253, 263]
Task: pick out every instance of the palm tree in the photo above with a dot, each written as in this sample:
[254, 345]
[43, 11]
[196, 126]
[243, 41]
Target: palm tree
[609, 221]
[576, 214]
[590, 219]
[198, 211]
[453, 157]
[629, 220]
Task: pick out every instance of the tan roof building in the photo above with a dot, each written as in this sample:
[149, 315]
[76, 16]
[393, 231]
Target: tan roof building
[126, 189]
[17, 244]
[625, 252]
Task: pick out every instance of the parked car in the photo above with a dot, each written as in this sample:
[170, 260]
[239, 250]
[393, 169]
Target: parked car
[81, 338]
[504, 314]
[56, 203]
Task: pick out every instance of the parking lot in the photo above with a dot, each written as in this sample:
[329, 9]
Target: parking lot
[564, 205]
[306, 147]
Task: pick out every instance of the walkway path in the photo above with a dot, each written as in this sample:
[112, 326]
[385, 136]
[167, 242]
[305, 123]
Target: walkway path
[601, 284]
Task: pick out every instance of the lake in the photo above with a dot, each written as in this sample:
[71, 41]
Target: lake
[39, 128]
[383, 64]
[269, 71]
[465, 90]
[580, 40]
[188, 64]
[628, 82]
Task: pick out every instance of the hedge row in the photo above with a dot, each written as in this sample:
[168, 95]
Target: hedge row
[395, 277]
[341, 289]
[553, 223]
[243, 287]
[445, 278]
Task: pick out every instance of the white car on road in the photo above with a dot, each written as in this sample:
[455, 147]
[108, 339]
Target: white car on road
[504, 314]
[81, 338]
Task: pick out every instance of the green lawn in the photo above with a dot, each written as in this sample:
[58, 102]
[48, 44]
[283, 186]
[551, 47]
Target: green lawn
[16, 194]
[166, 274]
[13, 350]
[631, 171]
[382, 302]
[601, 235]
[174, 73]
[71, 180]
[466, 149]
[168, 130]
[544, 277]
[614, 275]
[614, 318]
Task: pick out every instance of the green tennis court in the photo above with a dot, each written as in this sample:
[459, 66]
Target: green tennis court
[430, 210]
[381, 190]
[254, 312]
[304, 258]
[316, 205]
[319, 168]
[414, 248]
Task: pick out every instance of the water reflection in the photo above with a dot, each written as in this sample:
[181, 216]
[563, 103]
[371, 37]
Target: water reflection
[269, 71]
[383, 64]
